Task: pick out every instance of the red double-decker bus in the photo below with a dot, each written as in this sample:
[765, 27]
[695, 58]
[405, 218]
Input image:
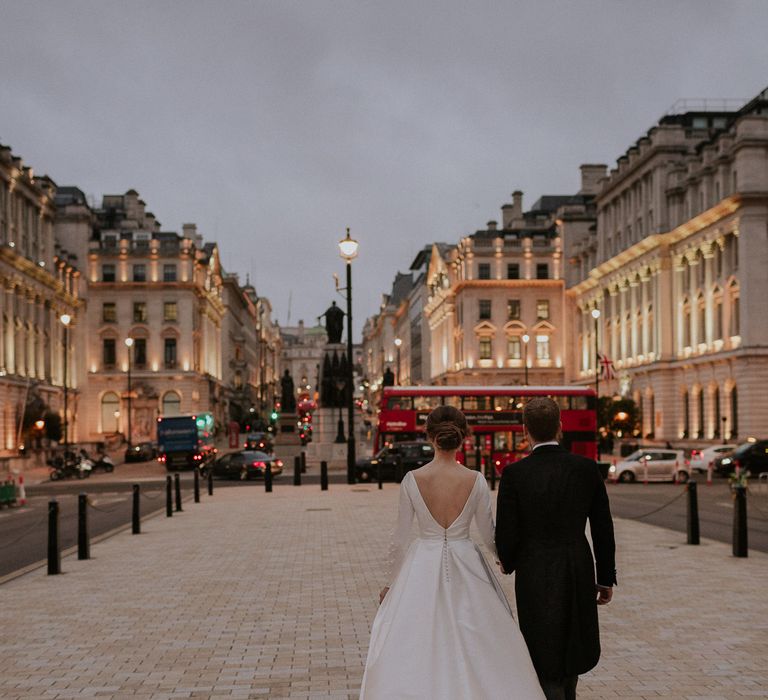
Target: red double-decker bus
[495, 414]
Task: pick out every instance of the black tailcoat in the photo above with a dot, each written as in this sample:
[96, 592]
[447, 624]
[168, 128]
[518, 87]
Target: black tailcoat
[544, 502]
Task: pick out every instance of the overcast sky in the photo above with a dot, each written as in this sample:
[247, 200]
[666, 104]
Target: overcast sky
[274, 125]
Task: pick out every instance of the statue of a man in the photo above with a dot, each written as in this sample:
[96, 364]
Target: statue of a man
[334, 323]
[288, 398]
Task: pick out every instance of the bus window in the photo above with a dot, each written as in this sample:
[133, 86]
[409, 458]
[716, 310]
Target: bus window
[399, 403]
[579, 403]
[562, 401]
[425, 403]
[454, 401]
[504, 403]
[502, 442]
[478, 403]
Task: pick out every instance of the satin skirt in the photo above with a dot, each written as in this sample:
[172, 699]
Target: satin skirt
[445, 631]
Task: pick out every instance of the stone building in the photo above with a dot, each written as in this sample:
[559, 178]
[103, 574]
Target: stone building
[677, 268]
[302, 355]
[40, 285]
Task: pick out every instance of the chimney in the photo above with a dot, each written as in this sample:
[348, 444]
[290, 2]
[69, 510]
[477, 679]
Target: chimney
[301, 330]
[512, 212]
[492, 225]
[591, 175]
[190, 231]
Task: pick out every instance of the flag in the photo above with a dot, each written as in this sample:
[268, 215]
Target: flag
[606, 366]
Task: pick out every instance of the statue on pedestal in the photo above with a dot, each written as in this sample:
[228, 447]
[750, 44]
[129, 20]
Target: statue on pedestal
[334, 323]
[389, 378]
[288, 398]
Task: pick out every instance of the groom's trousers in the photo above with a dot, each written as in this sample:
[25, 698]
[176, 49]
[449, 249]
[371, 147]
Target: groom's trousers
[563, 689]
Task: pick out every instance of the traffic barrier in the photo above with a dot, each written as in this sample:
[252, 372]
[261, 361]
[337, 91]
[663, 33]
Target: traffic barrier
[54, 552]
[379, 475]
[197, 485]
[268, 478]
[740, 540]
[323, 476]
[177, 489]
[210, 483]
[168, 497]
[135, 515]
[22, 498]
[297, 470]
[710, 468]
[83, 543]
[693, 513]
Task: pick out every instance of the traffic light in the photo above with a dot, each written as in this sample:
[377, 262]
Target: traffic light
[273, 415]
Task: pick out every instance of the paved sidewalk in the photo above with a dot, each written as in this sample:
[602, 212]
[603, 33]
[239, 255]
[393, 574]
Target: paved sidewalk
[255, 595]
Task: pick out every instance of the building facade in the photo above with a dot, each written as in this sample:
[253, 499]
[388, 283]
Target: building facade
[40, 285]
[302, 355]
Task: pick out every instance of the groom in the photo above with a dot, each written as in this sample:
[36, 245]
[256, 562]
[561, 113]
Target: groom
[544, 502]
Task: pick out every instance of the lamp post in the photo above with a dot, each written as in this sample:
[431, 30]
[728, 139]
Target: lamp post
[129, 345]
[66, 319]
[398, 343]
[596, 316]
[348, 250]
[340, 384]
[525, 339]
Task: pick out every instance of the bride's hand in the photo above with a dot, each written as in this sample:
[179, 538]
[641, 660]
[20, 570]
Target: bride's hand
[383, 594]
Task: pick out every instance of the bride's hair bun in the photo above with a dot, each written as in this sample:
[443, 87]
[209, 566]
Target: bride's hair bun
[447, 427]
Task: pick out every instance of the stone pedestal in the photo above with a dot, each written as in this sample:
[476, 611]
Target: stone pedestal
[287, 440]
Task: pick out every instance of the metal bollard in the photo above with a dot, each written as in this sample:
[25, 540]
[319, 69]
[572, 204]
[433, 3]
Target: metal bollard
[297, 471]
[177, 488]
[493, 475]
[303, 462]
[693, 513]
[323, 476]
[168, 497]
[197, 485]
[135, 516]
[379, 475]
[740, 521]
[268, 478]
[54, 553]
[83, 544]
[210, 482]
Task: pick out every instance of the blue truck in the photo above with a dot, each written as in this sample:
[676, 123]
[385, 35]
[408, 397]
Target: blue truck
[185, 442]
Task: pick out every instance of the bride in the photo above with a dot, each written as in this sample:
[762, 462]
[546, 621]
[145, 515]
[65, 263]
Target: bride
[444, 629]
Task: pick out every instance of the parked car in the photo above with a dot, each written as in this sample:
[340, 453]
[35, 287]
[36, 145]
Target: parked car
[395, 461]
[141, 452]
[653, 464]
[258, 441]
[245, 464]
[750, 456]
[700, 459]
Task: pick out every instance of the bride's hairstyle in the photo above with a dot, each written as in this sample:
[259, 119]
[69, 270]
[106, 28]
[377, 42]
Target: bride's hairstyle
[447, 427]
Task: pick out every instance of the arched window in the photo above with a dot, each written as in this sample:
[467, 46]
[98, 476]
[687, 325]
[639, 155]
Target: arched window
[734, 414]
[701, 320]
[686, 415]
[716, 412]
[171, 404]
[686, 330]
[110, 412]
[700, 415]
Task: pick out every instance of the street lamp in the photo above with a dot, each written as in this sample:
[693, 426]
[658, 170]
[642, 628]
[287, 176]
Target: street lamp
[340, 384]
[129, 345]
[398, 343]
[66, 319]
[596, 315]
[526, 338]
[348, 250]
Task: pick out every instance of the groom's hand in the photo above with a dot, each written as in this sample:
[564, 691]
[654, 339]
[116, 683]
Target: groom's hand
[604, 595]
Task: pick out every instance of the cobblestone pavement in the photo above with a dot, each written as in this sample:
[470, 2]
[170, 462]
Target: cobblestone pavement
[255, 595]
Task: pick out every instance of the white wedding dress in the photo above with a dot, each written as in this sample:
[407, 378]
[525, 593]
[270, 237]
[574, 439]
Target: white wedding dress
[445, 630]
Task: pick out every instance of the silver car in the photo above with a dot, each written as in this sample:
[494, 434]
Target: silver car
[651, 464]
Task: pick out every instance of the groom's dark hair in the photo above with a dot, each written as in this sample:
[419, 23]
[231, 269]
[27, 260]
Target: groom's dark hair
[541, 417]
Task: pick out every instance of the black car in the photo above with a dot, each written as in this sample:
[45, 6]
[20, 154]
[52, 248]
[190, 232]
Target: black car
[245, 464]
[141, 452]
[751, 457]
[395, 461]
[258, 441]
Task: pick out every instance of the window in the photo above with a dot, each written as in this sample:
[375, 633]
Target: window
[109, 312]
[716, 411]
[140, 273]
[701, 321]
[108, 273]
[542, 271]
[108, 354]
[169, 353]
[686, 416]
[477, 403]
[485, 348]
[484, 271]
[485, 309]
[170, 312]
[734, 414]
[735, 319]
[700, 416]
[110, 412]
[171, 404]
[718, 318]
[513, 271]
[140, 353]
[513, 347]
[169, 273]
[542, 347]
[513, 309]
[139, 312]
[542, 309]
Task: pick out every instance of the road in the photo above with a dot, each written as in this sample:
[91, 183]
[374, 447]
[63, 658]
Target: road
[23, 534]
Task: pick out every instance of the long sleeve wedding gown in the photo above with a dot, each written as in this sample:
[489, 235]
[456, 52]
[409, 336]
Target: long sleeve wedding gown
[445, 630]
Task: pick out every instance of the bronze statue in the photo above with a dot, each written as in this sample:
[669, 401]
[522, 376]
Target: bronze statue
[288, 398]
[389, 378]
[334, 323]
